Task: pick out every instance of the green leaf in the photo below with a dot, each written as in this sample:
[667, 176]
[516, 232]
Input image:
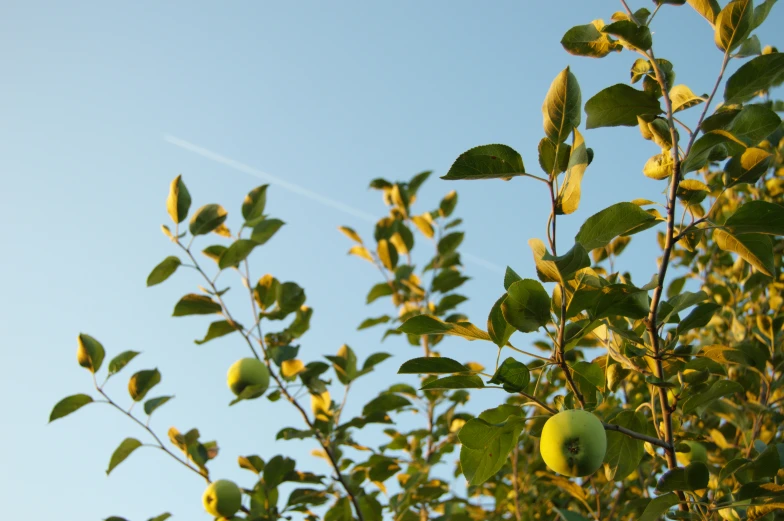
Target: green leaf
[291, 297]
[68, 405]
[455, 382]
[449, 202]
[487, 162]
[236, 253]
[450, 242]
[153, 403]
[264, 230]
[753, 124]
[527, 306]
[750, 47]
[748, 167]
[568, 515]
[497, 327]
[569, 195]
[733, 24]
[637, 36]
[698, 318]
[764, 466]
[370, 322]
[89, 352]
[194, 304]
[163, 270]
[678, 303]
[179, 201]
[449, 302]
[125, 449]
[683, 98]
[432, 365]
[486, 447]
[385, 402]
[570, 262]
[214, 252]
[276, 469]
[373, 360]
[709, 9]
[757, 217]
[340, 511]
[761, 13]
[207, 218]
[547, 159]
[510, 277]
[121, 360]
[758, 74]
[618, 219]
[709, 147]
[623, 452]
[141, 383]
[590, 372]
[718, 390]
[620, 105]
[162, 517]
[430, 325]
[561, 107]
[514, 376]
[754, 248]
[588, 40]
[656, 508]
[254, 203]
[382, 289]
[218, 329]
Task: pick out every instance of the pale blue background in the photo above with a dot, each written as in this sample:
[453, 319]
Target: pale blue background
[324, 95]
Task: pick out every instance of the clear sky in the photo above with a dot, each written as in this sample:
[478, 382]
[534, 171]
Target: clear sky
[324, 96]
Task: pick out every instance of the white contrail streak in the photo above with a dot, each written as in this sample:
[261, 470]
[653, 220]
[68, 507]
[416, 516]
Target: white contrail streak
[297, 189]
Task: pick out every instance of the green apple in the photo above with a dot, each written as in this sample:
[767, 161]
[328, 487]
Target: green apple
[573, 443]
[222, 498]
[248, 372]
[696, 454]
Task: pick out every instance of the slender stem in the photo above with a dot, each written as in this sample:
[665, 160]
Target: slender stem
[559, 355]
[323, 441]
[513, 348]
[515, 482]
[669, 243]
[639, 436]
[160, 444]
[539, 402]
[611, 515]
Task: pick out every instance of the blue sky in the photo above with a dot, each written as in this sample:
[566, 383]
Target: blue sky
[323, 96]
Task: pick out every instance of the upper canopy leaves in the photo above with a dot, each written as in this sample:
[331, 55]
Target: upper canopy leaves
[487, 162]
[561, 107]
[620, 105]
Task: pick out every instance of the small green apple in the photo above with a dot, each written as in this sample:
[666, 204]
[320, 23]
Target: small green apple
[248, 372]
[696, 454]
[573, 443]
[222, 498]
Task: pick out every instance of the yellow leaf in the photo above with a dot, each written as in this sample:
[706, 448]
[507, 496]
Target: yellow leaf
[222, 230]
[291, 368]
[361, 251]
[350, 233]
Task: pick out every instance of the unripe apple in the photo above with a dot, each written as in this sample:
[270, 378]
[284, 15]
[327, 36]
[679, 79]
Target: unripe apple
[223, 498]
[573, 443]
[696, 454]
[248, 372]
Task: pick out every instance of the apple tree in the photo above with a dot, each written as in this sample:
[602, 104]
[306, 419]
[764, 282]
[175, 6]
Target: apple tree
[617, 398]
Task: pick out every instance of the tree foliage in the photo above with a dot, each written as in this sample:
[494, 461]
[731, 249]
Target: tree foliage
[684, 369]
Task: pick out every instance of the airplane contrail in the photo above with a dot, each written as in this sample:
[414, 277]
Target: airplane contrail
[297, 189]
